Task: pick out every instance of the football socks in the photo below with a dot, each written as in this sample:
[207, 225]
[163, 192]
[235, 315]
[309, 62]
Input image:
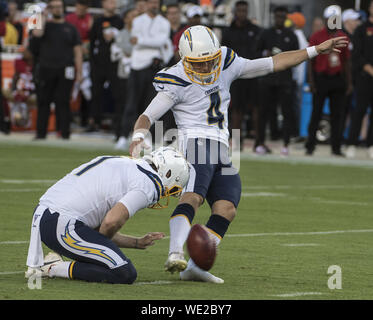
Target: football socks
[180, 224]
[217, 226]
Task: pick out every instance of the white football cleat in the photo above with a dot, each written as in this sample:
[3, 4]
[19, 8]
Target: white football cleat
[50, 259]
[194, 273]
[175, 262]
[351, 152]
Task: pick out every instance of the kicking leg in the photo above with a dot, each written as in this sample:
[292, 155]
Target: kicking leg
[223, 212]
[223, 201]
[180, 224]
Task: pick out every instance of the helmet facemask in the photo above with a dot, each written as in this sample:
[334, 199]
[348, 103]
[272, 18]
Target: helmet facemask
[173, 191]
[205, 70]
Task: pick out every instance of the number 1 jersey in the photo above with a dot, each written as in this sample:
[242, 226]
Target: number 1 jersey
[88, 192]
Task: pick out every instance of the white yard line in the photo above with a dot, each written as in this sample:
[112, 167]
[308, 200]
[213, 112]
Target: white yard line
[300, 244]
[22, 190]
[244, 235]
[13, 242]
[312, 233]
[297, 294]
[350, 203]
[30, 181]
[5, 273]
[159, 282]
[322, 187]
[262, 194]
[292, 197]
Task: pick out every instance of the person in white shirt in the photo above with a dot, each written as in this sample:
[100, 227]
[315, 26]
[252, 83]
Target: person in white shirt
[79, 216]
[121, 51]
[152, 48]
[196, 89]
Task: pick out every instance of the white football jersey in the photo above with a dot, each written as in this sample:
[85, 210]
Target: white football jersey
[88, 192]
[202, 110]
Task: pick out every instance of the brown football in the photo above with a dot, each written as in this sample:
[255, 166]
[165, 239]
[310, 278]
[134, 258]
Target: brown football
[201, 247]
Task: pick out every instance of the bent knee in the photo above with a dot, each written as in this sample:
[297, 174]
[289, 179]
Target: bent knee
[194, 199]
[231, 212]
[224, 208]
[126, 274]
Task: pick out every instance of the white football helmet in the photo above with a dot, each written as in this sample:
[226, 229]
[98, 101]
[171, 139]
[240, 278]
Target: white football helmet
[200, 52]
[172, 168]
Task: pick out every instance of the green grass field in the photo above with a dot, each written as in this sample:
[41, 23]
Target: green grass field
[294, 221]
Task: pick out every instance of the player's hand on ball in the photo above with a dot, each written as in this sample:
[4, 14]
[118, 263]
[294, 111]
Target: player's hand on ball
[332, 45]
[149, 239]
[136, 147]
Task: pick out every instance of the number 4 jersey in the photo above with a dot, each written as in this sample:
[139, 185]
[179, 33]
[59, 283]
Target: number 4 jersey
[202, 110]
[88, 192]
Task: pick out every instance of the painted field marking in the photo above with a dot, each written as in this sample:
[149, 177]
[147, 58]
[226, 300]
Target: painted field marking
[13, 242]
[22, 190]
[350, 203]
[262, 194]
[292, 197]
[296, 233]
[275, 234]
[157, 282]
[307, 187]
[297, 294]
[142, 283]
[301, 244]
[5, 273]
[243, 235]
[31, 181]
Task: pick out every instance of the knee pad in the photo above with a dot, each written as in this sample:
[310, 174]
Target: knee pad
[126, 274]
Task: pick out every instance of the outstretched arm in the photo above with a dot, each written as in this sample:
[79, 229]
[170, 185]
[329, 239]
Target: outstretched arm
[124, 241]
[282, 61]
[289, 59]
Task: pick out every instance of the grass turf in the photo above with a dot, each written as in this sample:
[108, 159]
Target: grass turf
[256, 259]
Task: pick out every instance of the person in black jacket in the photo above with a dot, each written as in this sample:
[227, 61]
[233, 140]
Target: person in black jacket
[362, 61]
[276, 88]
[102, 36]
[242, 36]
[59, 60]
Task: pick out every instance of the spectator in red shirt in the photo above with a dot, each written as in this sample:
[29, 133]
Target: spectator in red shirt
[81, 19]
[329, 76]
